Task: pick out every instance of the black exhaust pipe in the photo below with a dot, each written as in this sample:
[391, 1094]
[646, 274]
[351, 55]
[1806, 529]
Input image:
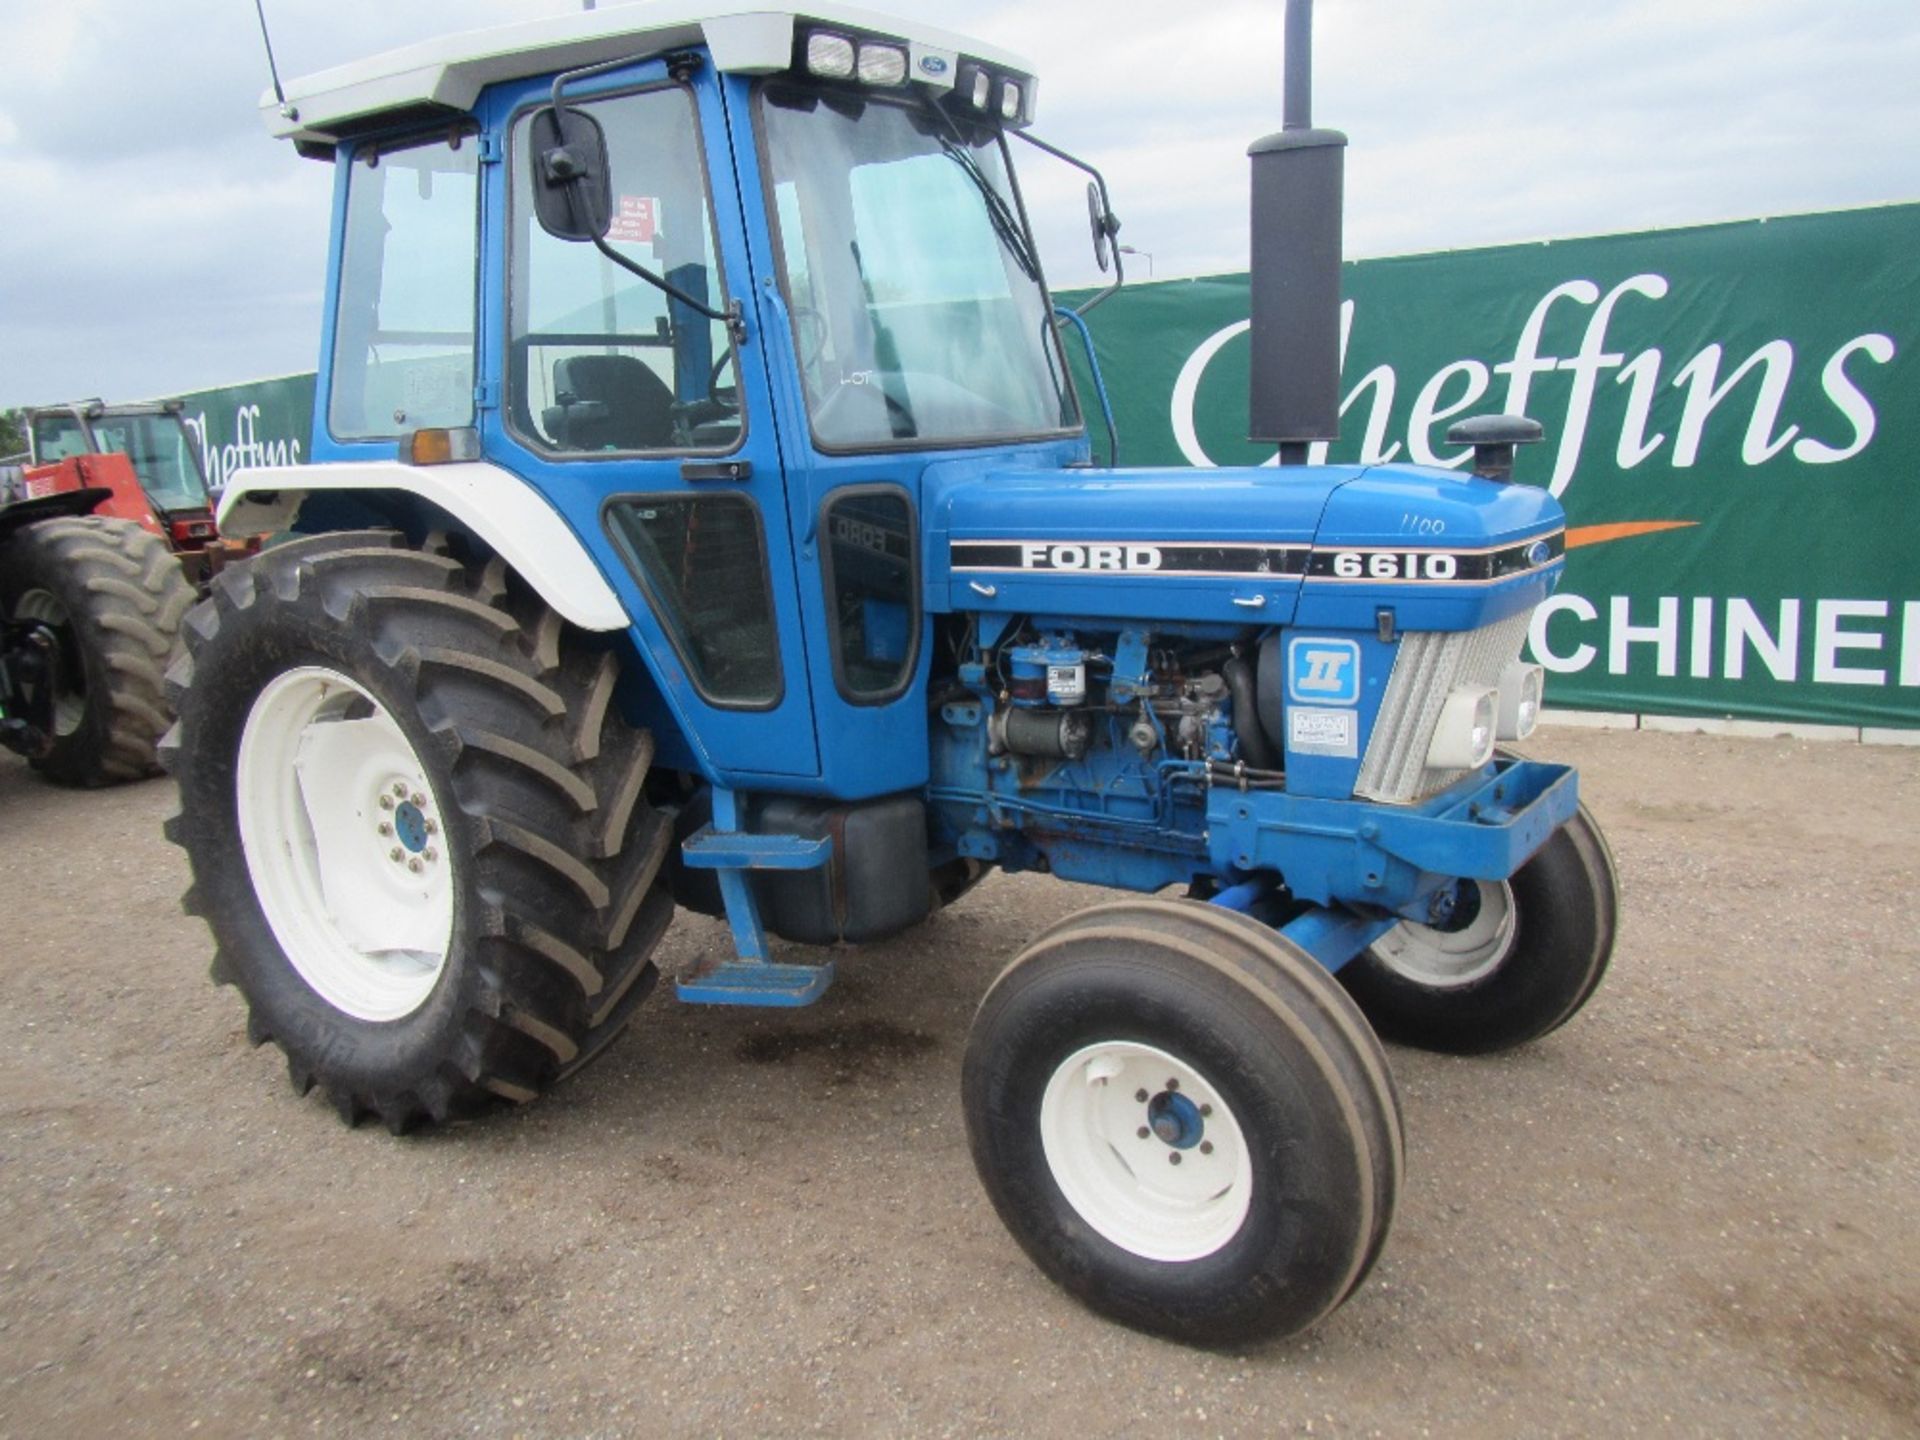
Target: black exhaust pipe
[1298, 177]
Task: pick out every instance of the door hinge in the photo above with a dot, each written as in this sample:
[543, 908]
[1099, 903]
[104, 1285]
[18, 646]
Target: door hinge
[489, 149]
[486, 395]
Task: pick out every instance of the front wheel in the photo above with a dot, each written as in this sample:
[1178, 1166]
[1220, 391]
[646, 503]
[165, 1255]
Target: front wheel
[1184, 1122]
[416, 825]
[1516, 959]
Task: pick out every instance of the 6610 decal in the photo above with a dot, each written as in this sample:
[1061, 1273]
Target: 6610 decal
[1394, 564]
[1383, 566]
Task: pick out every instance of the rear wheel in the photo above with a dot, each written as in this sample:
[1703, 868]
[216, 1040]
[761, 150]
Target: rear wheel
[1517, 958]
[1184, 1121]
[112, 595]
[416, 825]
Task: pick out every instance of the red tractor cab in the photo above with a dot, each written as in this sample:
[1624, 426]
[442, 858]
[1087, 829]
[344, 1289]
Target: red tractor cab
[144, 456]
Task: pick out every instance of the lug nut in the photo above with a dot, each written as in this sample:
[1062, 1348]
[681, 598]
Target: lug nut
[414, 865]
[418, 798]
[430, 855]
[1143, 1132]
[1206, 1109]
[396, 855]
[1141, 1096]
[432, 826]
[1173, 1084]
[386, 802]
[400, 789]
[1173, 1157]
[1206, 1147]
[385, 828]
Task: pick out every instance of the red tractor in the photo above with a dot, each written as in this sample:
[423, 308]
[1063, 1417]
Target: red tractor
[99, 531]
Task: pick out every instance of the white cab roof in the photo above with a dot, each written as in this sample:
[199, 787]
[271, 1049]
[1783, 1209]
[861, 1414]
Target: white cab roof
[450, 72]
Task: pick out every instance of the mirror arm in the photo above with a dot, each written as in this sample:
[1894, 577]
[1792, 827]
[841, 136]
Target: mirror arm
[734, 315]
[1112, 221]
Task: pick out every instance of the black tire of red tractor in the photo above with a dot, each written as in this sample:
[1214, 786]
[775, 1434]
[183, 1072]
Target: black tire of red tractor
[123, 595]
[1284, 1046]
[1566, 913]
[554, 850]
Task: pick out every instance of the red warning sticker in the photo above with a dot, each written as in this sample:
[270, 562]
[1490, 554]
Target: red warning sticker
[636, 220]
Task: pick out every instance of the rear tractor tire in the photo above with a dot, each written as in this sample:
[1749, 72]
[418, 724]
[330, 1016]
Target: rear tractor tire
[1519, 958]
[113, 595]
[416, 825]
[1184, 1121]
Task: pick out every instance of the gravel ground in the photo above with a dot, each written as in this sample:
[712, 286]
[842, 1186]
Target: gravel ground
[1689, 1212]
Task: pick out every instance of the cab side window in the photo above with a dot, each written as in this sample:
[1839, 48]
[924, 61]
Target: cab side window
[600, 361]
[403, 339]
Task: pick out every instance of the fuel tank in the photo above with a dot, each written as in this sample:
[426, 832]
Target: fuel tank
[1325, 545]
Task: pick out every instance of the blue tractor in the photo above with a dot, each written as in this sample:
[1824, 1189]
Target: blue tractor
[706, 517]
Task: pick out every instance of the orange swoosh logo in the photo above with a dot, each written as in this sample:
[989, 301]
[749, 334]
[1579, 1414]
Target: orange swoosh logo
[1578, 535]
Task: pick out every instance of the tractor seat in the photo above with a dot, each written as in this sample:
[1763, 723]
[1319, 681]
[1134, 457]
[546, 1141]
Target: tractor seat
[609, 402]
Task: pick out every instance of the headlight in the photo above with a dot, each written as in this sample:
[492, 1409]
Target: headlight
[1009, 100]
[1521, 686]
[830, 55]
[883, 65]
[1463, 740]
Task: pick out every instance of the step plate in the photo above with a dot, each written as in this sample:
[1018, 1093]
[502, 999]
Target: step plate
[710, 849]
[747, 982]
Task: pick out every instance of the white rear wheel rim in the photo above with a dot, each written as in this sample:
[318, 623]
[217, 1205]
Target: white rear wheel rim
[1177, 1193]
[343, 840]
[69, 700]
[1444, 959]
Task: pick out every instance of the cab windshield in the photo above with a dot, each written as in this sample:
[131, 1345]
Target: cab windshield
[918, 310]
[158, 446]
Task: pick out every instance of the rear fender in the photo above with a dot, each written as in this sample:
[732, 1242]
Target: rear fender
[494, 505]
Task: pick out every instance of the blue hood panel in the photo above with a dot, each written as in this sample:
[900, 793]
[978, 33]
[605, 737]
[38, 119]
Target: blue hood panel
[1330, 545]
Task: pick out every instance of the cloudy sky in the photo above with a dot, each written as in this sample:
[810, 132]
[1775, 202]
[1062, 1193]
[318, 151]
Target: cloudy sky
[153, 240]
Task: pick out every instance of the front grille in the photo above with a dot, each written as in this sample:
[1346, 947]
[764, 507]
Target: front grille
[1431, 663]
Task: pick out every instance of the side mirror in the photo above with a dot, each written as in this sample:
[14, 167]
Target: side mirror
[572, 180]
[1098, 223]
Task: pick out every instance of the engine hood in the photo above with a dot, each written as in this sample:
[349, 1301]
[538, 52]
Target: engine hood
[1325, 545]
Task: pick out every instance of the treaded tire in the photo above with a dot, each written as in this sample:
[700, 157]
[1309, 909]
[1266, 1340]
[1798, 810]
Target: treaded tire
[1565, 914]
[554, 851]
[1289, 1057]
[124, 595]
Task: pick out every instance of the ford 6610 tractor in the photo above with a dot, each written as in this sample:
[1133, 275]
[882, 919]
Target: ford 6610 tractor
[708, 519]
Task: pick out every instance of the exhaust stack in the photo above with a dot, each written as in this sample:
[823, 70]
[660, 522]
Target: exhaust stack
[1297, 193]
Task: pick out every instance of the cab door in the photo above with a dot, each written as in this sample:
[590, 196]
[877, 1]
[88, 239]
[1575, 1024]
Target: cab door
[649, 424]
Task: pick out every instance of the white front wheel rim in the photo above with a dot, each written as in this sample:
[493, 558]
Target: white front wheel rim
[1444, 959]
[1146, 1150]
[344, 844]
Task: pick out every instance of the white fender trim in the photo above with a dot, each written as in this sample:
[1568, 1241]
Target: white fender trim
[495, 504]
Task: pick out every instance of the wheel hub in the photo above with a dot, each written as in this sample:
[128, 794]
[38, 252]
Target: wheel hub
[410, 824]
[1175, 1119]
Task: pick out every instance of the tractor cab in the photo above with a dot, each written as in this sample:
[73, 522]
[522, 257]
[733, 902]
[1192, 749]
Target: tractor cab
[169, 491]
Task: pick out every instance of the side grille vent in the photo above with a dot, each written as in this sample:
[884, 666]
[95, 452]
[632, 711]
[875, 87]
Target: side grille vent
[1431, 663]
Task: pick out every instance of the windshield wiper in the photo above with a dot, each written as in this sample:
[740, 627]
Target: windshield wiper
[1006, 223]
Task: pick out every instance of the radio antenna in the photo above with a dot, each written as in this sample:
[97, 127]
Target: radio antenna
[273, 70]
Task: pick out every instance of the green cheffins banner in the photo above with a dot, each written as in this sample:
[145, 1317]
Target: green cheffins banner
[1733, 424]
[242, 427]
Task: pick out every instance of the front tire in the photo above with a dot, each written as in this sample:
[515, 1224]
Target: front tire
[1520, 960]
[1184, 1122]
[415, 823]
[113, 596]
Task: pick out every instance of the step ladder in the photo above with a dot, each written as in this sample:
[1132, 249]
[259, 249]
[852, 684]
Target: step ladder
[750, 978]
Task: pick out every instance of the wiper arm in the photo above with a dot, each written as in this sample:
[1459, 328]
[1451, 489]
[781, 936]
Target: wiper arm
[1006, 224]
